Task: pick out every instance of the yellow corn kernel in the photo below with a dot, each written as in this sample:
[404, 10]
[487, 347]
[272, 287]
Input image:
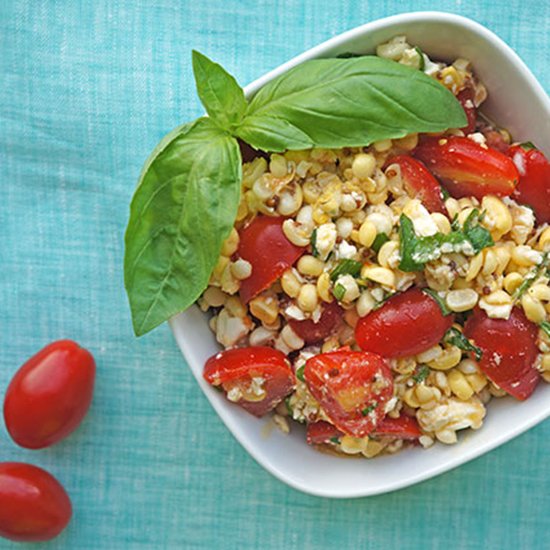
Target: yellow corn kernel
[382, 146]
[452, 207]
[365, 304]
[490, 262]
[544, 240]
[512, 281]
[253, 170]
[307, 298]
[367, 233]
[373, 448]
[223, 262]
[320, 217]
[540, 292]
[296, 233]
[459, 385]
[448, 359]
[408, 143]
[430, 354]
[290, 200]
[235, 307]
[525, 256]
[386, 252]
[330, 345]
[242, 211]
[503, 256]
[476, 264]
[380, 275]
[241, 269]
[499, 218]
[378, 198]
[214, 297]
[264, 308]
[230, 245]
[442, 222]
[352, 445]
[477, 381]
[545, 362]
[464, 214]
[363, 165]
[424, 394]
[229, 283]
[410, 398]
[451, 78]
[323, 287]
[278, 166]
[291, 339]
[310, 266]
[533, 308]
[461, 300]
[290, 283]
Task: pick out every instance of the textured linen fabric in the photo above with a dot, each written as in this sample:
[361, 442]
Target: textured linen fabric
[86, 91]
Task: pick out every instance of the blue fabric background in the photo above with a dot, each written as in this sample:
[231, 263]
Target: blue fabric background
[86, 90]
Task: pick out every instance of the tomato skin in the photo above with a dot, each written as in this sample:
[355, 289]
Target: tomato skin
[49, 396]
[403, 427]
[263, 244]
[420, 183]
[33, 504]
[466, 98]
[407, 324]
[312, 332]
[237, 367]
[352, 387]
[466, 168]
[534, 180]
[509, 349]
[321, 432]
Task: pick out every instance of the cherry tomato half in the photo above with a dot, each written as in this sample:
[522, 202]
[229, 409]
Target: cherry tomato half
[534, 180]
[466, 98]
[466, 168]
[403, 427]
[509, 349]
[419, 182]
[257, 378]
[352, 387]
[321, 432]
[263, 244]
[312, 332]
[33, 504]
[407, 324]
[50, 395]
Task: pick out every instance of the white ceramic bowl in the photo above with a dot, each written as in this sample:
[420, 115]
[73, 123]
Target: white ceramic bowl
[517, 102]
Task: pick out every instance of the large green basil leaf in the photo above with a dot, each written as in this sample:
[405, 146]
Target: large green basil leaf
[337, 103]
[219, 92]
[183, 209]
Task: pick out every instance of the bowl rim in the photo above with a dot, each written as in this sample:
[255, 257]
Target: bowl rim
[187, 348]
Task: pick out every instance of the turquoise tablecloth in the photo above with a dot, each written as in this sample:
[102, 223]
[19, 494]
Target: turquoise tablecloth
[86, 90]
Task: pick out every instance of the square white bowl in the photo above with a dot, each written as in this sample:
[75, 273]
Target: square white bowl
[517, 102]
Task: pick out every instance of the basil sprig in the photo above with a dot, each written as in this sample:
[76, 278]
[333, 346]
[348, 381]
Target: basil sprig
[456, 338]
[189, 190]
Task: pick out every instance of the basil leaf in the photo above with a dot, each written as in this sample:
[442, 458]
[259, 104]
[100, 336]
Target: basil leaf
[336, 103]
[369, 409]
[421, 374]
[339, 291]
[531, 277]
[478, 236]
[422, 63]
[300, 373]
[183, 209]
[545, 326]
[456, 338]
[346, 267]
[313, 241]
[440, 302]
[407, 245]
[219, 92]
[379, 240]
[527, 145]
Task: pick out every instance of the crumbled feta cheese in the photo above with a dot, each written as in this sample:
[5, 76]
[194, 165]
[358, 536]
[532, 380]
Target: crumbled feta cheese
[229, 330]
[451, 415]
[424, 224]
[325, 239]
[234, 394]
[500, 311]
[294, 312]
[346, 250]
[478, 138]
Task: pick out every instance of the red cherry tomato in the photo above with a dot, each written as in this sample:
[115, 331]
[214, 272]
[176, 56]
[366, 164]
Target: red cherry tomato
[321, 432]
[257, 378]
[419, 182]
[509, 349]
[312, 332]
[33, 504]
[352, 387]
[50, 395]
[466, 98]
[407, 324]
[466, 168]
[263, 244]
[534, 180]
[403, 427]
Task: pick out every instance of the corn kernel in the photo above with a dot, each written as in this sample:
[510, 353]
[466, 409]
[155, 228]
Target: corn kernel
[533, 308]
[381, 275]
[459, 385]
[475, 266]
[461, 300]
[296, 233]
[525, 256]
[388, 253]
[363, 165]
[365, 304]
[448, 359]
[310, 266]
[498, 217]
[291, 339]
[367, 233]
[544, 240]
[278, 166]
[382, 146]
[265, 308]
[214, 297]
[323, 287]
[307, 298]
[408, 143]
[241, 269]
[235, 306]
[442, 222]
[290, 283]
[512, 281]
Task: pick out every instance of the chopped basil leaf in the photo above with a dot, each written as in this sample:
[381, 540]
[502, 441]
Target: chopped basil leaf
[379, 240]
[545, 326]
[528, 145]
[300, 373]
[421, 374]
[335, 440]
[339, 291]
[313, 241]
[369, 409]
[456, 338]
[455, 224]
[346, 267]
[475, 233]
[288, 407]
[532, 277]
[445, 193]
[422, 63]
[407, 244]
[440, 302]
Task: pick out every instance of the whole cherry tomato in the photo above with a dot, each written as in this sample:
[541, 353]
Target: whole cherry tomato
[534, 180]
[312, 332]
[509, 348]
[407, 324]
[466, 168]
[33, 504]
[256, 378]
[352, 387]
[263, 244]
[466, 98]
[419, 182]
[49, 395]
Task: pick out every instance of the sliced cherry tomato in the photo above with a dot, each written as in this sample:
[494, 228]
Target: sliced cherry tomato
[419, 182]
[407, 324]
[33, 504]
[321, 432]
[50, 395]
[312, 332]
[534, 180]
[352, 387]
[509, 348]
[263, 244]
[403, 427]
[257, 378]
[466, 98]
[466, 168]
